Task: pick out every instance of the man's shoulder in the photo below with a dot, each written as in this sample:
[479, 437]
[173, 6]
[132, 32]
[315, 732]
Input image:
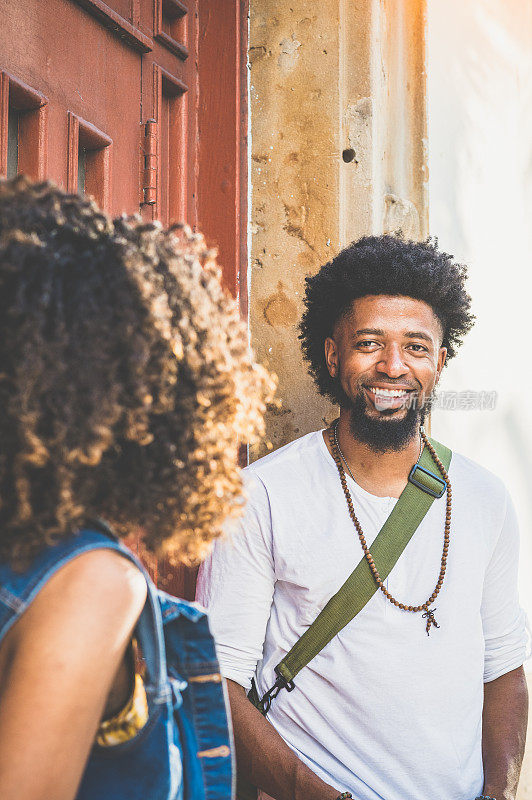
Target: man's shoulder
[302, 453]
[469, 475]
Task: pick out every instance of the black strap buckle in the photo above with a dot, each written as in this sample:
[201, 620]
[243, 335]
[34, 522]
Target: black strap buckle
[271, 694]
[427, 489]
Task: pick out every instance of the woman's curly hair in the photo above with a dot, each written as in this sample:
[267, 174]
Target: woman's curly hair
[388, 265]
[126, 382]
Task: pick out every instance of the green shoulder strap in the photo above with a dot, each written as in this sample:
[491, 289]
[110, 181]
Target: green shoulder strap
[423, 487]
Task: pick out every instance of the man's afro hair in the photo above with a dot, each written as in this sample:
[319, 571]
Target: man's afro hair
[387, 265]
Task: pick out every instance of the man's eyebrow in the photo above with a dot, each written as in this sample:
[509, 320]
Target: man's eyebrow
[418, 335]
[379, 332]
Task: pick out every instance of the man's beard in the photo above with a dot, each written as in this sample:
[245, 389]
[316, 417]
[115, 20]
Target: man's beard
[384, 433]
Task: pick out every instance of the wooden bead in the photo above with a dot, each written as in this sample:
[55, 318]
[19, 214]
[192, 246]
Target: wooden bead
[338, 459]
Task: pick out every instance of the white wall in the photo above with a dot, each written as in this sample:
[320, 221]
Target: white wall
[480, 158]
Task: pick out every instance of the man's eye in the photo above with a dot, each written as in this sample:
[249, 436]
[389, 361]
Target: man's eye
[419, 346]
[366, 343]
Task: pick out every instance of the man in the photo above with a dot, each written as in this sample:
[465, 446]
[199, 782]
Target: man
[384, 712]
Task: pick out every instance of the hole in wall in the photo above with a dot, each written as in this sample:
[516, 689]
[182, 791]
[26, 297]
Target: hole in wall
[348, 155]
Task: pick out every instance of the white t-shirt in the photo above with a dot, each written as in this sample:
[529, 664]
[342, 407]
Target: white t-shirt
[384, 711]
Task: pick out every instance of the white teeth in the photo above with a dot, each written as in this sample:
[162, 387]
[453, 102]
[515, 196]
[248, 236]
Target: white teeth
[390, 392]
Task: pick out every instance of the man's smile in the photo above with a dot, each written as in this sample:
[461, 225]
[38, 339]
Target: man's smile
[383, 398]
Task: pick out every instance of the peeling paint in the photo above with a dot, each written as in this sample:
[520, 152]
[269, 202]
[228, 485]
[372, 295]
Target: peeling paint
[401, 216]
[295, 223]
[255, 53]
[306, 259]
[359, 121]
[289, 55]
[279, 309]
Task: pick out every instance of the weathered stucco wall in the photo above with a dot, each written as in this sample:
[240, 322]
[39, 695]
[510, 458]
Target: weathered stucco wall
[337, 139]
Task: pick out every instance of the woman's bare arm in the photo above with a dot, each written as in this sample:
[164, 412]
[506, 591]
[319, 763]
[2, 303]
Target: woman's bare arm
[57, 666]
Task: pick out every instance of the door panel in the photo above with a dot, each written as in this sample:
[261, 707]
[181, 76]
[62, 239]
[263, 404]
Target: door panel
[222, 135]
[169, 97]
[23, 129]
[83, 69]
[142, 104]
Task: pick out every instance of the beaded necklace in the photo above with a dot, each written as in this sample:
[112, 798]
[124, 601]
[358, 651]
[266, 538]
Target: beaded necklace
[428, 612]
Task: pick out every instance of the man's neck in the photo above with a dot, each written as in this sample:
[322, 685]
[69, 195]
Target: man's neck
[382, 474]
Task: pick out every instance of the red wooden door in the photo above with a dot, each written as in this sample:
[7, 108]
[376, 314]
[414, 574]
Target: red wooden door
[140, 103]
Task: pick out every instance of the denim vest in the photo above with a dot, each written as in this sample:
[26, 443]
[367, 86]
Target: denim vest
[184, 752]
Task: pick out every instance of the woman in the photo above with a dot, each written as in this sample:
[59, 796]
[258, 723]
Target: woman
[125, 388]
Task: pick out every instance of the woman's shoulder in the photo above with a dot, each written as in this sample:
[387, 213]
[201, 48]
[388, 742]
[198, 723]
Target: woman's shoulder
[97, 588]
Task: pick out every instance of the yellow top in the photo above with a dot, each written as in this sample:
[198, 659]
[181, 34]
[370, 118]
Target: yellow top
[128, 722]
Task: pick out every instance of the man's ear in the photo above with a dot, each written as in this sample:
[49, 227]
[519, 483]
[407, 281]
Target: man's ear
[331, 356]
[442, 356]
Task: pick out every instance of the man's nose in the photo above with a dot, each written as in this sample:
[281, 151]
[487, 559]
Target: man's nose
[392, 362]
